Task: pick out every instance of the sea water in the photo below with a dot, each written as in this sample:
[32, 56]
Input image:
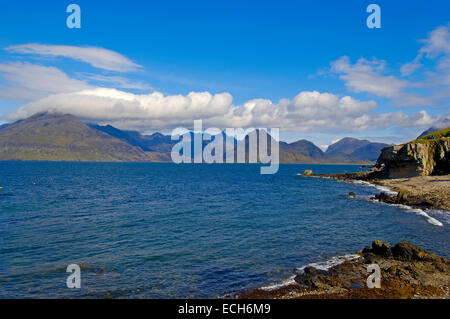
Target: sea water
[153, 230]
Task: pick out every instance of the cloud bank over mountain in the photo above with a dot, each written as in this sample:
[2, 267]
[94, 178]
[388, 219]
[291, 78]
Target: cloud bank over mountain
[101, 96]
[308, 111]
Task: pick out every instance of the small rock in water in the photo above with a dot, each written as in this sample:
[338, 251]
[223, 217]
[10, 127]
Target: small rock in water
[307, 172]
[385, 198]
[351, 195]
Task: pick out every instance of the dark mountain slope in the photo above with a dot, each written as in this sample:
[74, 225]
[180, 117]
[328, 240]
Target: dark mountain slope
[150, 143]
[352, 149]
[56, 137]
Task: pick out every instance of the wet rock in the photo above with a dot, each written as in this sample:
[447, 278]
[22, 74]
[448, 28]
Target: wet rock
[351, 195]
[382, 249]
[366, 250]
[392, 271]
[385, 198]
[314, 271]
[410, 273]
[402, 196]
[371, 258]
[406, 251]
[379, 248]
[312, 278]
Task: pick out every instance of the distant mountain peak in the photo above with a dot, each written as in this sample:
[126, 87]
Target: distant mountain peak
[445, 123]
[354, 149]
[63, 137]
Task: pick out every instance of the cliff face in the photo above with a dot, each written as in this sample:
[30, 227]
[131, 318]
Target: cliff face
[429, 155]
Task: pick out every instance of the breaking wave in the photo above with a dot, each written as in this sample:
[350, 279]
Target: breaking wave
[321, 265]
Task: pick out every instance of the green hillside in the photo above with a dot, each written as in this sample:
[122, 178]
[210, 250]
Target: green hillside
[436, 135]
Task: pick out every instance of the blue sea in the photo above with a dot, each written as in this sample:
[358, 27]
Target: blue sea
[153, 230]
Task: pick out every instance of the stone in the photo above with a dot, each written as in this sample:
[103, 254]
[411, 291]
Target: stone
[385, 198]
[382, 249]
[402, 196]
[406, 251]
[312, 277]
[307, 172]
[313, 271]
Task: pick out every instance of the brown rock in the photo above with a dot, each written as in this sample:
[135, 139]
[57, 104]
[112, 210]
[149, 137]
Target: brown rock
[406, 251]
[381, 249]
[307, 172]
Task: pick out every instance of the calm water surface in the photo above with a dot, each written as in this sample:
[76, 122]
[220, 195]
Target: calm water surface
[164, 230]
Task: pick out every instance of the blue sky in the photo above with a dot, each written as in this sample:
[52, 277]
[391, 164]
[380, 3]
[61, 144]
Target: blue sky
[271, 50]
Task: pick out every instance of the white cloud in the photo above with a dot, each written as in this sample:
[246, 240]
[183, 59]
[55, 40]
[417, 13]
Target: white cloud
[370, 76]
[365, 76]
[97, 57]
[307, 112]
[436, 46]
[437, 43]
[115, 81]
[28, 81]
[48, 89]
[410, 67]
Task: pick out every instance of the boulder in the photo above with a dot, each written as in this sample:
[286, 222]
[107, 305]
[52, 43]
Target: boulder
[312, 278]
[307, 172]
[314, 271]
[402, 196]
[406, 251]
[385, 198]
[382, 249]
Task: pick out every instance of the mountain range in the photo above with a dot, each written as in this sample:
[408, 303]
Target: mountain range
[64, 137]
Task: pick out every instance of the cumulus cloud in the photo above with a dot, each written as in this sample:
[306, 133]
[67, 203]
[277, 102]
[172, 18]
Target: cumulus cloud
[48, 89]
[97, 57]
[310, 111]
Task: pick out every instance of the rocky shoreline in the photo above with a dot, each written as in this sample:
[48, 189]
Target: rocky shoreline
[407, 271]
[424, 192]
[416, 174]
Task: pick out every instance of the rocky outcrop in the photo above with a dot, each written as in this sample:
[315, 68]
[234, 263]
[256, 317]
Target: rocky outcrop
[407, 271]
[422, 157]
[403, 198]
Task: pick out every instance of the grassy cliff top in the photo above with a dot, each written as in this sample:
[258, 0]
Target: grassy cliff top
[445, 133]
